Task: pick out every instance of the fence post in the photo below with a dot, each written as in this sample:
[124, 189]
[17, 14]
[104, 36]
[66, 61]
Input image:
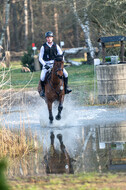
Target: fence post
[36, 63]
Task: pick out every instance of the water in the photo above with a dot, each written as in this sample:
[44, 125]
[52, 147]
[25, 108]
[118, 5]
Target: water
[95, 136]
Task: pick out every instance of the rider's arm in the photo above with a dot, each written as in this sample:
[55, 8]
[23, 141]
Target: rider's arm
[41, 56]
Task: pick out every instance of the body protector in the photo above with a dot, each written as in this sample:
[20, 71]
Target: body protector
[49, 52]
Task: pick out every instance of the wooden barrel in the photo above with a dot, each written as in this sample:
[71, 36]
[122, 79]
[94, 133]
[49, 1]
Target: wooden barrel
[111, 83]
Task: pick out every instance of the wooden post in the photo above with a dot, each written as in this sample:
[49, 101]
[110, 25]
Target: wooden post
[122, 51]
[36, 63]
[7, 54]
[103, 52]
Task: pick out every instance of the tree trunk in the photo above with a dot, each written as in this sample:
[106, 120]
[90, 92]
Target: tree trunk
[56, 24]
[15, 24]
[7, 11]
[32, 21]
[76, 29]
[86, 30]
[26, 22]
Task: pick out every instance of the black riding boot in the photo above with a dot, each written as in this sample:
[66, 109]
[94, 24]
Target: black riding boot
[67, 91]
[42, 93]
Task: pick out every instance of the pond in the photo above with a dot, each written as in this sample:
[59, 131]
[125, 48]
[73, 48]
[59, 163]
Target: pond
[94, 136]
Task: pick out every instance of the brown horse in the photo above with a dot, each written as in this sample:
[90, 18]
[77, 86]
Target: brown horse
[54, 87]
[58, 161]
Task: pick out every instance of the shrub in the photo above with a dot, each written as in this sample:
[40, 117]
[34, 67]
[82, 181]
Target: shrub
[108, 59]
[28, 60]
[3, 183]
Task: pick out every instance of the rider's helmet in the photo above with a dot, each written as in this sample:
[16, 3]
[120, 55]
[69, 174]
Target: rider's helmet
[49, 33]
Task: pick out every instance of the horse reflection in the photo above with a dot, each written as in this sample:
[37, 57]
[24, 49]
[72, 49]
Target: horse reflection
[58, 161]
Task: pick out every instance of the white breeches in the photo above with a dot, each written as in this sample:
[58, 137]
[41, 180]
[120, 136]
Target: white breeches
[44, 71]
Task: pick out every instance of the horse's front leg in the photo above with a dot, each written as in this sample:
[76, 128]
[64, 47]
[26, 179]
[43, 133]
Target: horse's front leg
[50, 111]
[60, 107]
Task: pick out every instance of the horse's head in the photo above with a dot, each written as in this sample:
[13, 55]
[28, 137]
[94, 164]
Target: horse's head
[58, 66]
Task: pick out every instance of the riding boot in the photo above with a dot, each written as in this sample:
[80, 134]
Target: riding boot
[67, 91]
[42, 93]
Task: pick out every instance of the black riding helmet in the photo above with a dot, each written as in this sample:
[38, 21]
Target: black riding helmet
[49, 33]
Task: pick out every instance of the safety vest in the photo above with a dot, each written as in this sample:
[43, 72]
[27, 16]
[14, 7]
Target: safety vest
[49, 52]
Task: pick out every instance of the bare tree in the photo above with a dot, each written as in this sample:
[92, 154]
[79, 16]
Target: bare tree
[15, 31]
[32, 20]
[85, 27]
[7, 11]
[26, 22]
[56, 23]
[76, 22]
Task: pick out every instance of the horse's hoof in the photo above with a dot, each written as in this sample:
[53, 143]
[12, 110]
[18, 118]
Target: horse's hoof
[59, 136]
[51, 121]
[58, 117]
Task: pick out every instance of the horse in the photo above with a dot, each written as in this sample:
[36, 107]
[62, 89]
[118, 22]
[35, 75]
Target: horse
[54, 87]
[58, 162]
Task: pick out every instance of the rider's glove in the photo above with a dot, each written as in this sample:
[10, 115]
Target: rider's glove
[47, 67]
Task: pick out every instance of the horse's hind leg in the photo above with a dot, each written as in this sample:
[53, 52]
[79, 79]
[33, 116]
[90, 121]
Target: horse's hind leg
[60, 107]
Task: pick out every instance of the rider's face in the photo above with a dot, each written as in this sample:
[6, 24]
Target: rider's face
[49, 39]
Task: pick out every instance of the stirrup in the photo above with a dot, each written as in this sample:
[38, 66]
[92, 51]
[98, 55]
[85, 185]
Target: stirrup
[42, 94]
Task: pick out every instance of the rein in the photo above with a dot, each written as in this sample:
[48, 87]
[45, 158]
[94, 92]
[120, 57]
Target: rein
[57, 74]
[60, 77]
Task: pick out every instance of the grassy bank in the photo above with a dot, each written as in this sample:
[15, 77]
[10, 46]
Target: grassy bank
[81, 80]
[91, 181]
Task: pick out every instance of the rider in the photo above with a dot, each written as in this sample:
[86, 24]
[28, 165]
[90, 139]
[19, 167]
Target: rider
[46, 57]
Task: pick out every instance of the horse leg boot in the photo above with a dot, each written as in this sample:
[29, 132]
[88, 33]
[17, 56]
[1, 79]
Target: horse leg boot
[52, 138]
[42, 93]
[67, 91]
[50, 111]
[58, 116]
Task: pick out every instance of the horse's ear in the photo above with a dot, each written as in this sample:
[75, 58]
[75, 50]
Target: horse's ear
[59, 58]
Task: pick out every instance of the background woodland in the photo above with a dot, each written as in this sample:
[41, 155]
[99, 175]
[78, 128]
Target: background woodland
[76, 22]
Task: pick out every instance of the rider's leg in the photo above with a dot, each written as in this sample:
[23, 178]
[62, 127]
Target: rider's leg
[42, 93]
[42, 79]
[67, 91]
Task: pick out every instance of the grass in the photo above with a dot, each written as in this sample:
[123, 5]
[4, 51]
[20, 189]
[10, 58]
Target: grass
[89, 181]
[78, 75]
[81, 80]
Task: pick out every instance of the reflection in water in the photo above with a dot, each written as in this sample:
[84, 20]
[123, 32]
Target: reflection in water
[112, 138]
[104, 148]
[92, 135]
[58, 161]
[95, 148]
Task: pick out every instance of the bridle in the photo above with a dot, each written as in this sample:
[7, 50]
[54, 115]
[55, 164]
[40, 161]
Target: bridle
[55, 71]
[60, 69]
